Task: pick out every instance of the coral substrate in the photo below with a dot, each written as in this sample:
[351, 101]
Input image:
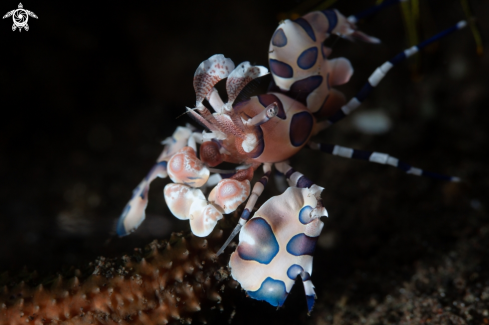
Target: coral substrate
[167, 281]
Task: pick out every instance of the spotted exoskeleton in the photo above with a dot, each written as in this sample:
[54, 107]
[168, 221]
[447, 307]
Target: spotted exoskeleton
[276, 244]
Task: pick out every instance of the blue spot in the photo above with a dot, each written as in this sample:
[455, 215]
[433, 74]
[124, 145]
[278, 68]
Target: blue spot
[300, 128]
[245, 214]
[268, 99]
[307, 27]
[308, 58]
[310, 302]
[265, 245]
[121, 230]
[281, 69]
[271, 291]
[305, 215]
[332, 19]
[294, 271]
[279, 39]
[301, 245]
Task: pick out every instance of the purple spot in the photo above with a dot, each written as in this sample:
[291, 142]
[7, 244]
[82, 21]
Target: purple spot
[301, 245]
[272, 291]
[294, 271]
[304, 182]
[308, 58]
[257, 242]
[268, 99]
[279, 39]
[300, 128]
[332, 19]
[307, 27]
[281, 69]
[300, 89]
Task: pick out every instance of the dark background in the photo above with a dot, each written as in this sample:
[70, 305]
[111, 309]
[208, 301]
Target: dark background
[90, 90]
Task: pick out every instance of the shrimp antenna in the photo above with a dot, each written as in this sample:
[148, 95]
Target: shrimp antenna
[379, 74]
[186, 112]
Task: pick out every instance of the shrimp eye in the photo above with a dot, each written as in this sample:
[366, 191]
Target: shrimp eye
[209, 153]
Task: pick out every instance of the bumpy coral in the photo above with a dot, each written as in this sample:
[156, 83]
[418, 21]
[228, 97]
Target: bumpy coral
[168, 281]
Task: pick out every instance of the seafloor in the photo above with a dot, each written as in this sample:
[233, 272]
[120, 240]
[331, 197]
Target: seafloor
[90, 91]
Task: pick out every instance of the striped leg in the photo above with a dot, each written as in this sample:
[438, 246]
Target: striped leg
[134, 212]
[379, 74]
[297, 179]
[294, 178]
[245, 215]
[377, 157]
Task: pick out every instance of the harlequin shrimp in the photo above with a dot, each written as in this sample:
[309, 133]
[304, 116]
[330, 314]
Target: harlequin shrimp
[277, 243]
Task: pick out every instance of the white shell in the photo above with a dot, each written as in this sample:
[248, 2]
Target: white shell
[184, 167]
[180, 197]
[188, 203]
[229, 194]
[203, 218]
[276, 245]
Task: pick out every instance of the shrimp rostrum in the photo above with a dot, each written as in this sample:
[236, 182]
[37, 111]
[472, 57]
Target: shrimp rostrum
[277, 241]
